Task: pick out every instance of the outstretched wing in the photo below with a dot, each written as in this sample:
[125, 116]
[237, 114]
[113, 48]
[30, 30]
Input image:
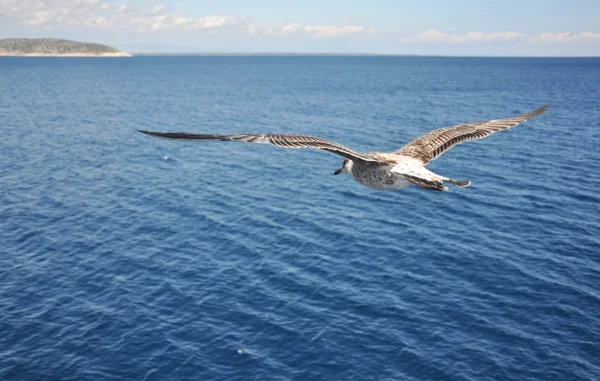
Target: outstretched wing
[432, 145]
[286, 141]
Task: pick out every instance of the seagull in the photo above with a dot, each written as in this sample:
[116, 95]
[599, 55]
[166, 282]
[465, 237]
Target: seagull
[381, 170]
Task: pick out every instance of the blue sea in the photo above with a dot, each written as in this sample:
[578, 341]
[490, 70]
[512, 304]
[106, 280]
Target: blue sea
[125, 257]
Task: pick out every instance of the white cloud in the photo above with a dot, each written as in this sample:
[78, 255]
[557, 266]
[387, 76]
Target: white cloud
[317, 31]
[151, 16]
[567, 37]
[158, 9]
[434, 35]
[213, 22]
[155, 16]
[38, 18]
[332, 30]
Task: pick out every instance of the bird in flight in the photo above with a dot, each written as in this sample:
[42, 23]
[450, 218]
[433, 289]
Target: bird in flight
[381, 170]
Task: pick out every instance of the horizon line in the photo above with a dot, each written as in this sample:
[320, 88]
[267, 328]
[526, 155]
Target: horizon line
[347, 54]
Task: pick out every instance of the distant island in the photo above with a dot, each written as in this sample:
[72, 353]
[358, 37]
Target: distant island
[54, 47]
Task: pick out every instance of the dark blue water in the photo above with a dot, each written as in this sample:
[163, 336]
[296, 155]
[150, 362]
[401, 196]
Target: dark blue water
[133, 258]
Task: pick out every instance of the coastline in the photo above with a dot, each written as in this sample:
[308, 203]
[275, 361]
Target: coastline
[110, 55]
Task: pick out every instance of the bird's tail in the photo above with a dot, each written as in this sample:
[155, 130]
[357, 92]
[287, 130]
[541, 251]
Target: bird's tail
[459, 183]
[435, 185]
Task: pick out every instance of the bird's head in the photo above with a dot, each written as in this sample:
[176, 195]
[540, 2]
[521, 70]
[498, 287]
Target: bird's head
[345, 168]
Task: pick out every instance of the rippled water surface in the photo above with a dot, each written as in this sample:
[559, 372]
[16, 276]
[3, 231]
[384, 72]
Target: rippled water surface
[133, 258]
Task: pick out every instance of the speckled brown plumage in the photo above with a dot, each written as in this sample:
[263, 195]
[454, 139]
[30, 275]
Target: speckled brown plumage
[380, 170]
[433, 144]
[280, 140]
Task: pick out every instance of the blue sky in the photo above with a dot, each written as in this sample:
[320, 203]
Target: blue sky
[464, 27]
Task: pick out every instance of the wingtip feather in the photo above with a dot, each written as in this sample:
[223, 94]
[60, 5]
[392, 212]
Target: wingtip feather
[163, 135]
[542, 109]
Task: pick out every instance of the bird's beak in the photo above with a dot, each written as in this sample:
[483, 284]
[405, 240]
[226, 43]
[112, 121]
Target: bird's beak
[339, 170]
